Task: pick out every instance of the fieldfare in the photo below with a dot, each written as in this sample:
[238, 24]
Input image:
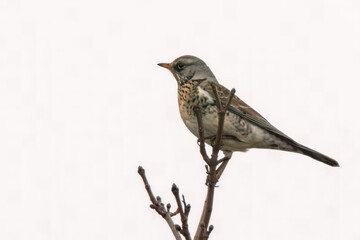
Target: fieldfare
[244, 128]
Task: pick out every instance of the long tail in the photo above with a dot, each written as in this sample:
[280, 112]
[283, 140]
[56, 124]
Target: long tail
[316, 155]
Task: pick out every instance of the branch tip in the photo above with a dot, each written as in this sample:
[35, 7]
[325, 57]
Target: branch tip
[174, 189]
[158, 205]
[141, 169]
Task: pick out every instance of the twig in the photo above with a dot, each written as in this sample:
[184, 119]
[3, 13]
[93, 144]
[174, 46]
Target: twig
[184, 215]
[201, 135]
[187, 207]
[207, 233]
[221, 113]
[202, 231]
[158, 206]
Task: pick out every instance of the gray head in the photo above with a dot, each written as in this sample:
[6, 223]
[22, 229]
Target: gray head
[186, 68]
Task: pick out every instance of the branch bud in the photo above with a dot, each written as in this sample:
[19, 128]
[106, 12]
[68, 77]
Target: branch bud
[174, 189]
[141, 170]
[177, 227]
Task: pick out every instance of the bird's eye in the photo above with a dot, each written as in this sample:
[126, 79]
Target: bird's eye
[180, 66]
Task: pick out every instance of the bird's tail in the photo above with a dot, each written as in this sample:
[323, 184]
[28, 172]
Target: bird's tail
[316, 155]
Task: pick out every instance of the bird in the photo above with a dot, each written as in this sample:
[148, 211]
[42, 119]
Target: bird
[244, 128]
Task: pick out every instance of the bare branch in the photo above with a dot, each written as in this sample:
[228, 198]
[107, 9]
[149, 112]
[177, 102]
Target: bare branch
[174, 213]
[217, 98]
[213, 174]
[201, 135]
[207, 233]
[187, 207]
[231, 96]
[213, 171]
[158, 206]
[141, 172]
[221, 113]
[184, 220]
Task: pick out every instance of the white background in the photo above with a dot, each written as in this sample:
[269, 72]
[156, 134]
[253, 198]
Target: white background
[83, 103]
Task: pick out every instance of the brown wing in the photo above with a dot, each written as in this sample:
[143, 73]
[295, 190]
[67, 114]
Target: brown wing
[244, 111]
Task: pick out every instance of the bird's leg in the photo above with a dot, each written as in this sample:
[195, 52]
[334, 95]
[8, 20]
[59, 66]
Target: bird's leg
[224, 161]
[212, 139]
[227, 156]
[224, 137]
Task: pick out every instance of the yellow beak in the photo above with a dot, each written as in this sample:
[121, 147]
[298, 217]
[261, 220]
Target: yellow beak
[165, 65]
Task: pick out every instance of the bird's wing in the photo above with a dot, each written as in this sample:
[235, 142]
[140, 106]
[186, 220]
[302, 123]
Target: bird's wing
[243, 110]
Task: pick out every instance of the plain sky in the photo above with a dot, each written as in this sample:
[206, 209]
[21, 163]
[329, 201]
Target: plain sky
[83, 103]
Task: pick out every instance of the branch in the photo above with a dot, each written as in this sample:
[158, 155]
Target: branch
[221, 112]
[214, 174]
[184, 215]
[158, 206]
[201, 140]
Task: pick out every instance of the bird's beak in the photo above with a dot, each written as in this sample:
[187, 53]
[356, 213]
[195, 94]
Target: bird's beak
[165, 65]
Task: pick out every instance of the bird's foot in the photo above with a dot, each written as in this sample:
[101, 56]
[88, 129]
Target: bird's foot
[224, 137]
[211, 138]
[227, 156]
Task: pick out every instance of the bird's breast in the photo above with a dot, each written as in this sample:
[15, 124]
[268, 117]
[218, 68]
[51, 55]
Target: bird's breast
[242, 134]
[190, 95]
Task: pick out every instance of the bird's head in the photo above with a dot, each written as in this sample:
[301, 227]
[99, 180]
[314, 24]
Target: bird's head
[186, 68]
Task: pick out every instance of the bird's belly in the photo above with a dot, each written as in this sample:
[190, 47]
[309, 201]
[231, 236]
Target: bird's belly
[238, 135]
